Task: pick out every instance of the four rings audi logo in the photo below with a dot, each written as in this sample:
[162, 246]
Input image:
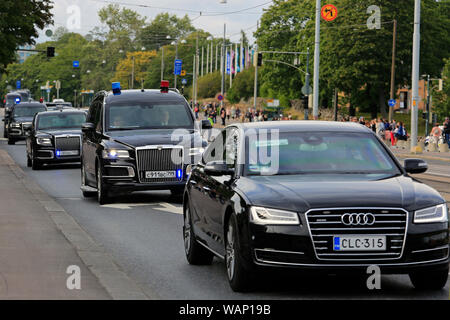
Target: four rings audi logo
[358, 219]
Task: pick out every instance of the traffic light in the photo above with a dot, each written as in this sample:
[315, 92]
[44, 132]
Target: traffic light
[259, 62]
[50, 52]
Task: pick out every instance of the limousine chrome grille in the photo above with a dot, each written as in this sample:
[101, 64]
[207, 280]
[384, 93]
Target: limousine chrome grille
[158, 158]
[68, 143]
[324, 224]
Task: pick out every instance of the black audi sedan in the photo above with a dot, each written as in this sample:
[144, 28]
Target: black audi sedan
[19, 119]
[137, 140]
[313, 196]
[55, 137]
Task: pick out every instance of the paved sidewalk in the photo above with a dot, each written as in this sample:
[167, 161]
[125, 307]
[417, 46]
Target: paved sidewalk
[439, 156]
[34, 254]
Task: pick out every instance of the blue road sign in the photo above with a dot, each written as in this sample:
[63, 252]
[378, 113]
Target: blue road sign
[183, 81]
[178, 67]
[220, 97]
[76, 64]
[18, 84]
[392, 102]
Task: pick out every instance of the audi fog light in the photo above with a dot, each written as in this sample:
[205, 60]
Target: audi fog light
[437, 213]
[259, 215]
[44, 141]
[115, 154]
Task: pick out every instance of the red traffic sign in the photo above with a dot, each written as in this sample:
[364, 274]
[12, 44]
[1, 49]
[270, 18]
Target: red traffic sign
[220, 97]
[329, 12]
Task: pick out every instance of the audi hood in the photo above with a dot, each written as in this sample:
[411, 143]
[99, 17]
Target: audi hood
[301, 193]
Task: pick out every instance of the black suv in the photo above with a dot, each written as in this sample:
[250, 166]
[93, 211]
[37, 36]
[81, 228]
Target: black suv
[55, 137]
[138, 140]
[19, 118]
[313, 196]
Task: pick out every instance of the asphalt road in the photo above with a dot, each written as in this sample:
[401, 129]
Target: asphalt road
[143, 233]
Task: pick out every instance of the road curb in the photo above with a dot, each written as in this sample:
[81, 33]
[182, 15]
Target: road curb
[116, 282]
[421, 156]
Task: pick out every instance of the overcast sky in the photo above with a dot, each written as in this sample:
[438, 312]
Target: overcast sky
[65, 14]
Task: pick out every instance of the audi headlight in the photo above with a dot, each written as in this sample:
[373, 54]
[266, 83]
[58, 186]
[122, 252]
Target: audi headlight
[259, 215]
[44, 141]
[437, 213]
[196, 151]
[115, 154]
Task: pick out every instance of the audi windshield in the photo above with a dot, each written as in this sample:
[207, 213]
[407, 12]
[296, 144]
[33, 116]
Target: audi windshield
[292, 153]
[146, 115]
[60, 121]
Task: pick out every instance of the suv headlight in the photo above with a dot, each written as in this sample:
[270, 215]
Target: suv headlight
[44, 141]
[437, 213]
[260, 215]
[115, 154]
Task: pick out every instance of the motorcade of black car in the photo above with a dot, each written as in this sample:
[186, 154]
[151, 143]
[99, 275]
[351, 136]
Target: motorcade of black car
[138, 140]
[313, 197]
[19, 118]
[55, 137]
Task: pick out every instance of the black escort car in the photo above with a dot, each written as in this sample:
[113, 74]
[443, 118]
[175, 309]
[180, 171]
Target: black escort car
[55, 137]
[138, 140]
[19, 118]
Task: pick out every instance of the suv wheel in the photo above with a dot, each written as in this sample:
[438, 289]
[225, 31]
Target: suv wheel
[196, 254]
[11, 141]
[429, 280]
[239, 279]
[102, 192]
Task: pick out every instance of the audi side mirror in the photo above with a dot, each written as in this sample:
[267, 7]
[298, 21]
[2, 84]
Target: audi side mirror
[87, 127]
[415, 166]
[218, 168]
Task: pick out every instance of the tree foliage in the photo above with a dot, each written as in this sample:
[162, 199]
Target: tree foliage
[441, 99]
[140, 59]
[19, 24]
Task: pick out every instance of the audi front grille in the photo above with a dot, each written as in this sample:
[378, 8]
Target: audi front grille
[324, 224]
[68, 143]
[156, 158]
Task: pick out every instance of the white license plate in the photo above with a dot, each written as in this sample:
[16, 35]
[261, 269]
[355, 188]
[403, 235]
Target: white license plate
[69, 153]
[159, 174]
[359, 243]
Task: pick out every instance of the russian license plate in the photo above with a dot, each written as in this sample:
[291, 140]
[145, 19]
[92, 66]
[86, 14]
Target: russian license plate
[359, 243]
[69, 153]
[159, 174]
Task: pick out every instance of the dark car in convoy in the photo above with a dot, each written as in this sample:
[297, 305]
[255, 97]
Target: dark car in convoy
[313, 196]
[52, 106]
[138, 140]
[55, 137]
[19, 118]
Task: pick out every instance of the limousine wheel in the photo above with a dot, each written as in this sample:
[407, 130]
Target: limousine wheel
[195, 253]
[35, 164]
[240, 280]
[11, 141]
[426, 280]
[29, 162]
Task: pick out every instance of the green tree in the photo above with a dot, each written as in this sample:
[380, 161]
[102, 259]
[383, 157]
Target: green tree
[19, 24]
[243, 86]
[441, 99]
[355, 59]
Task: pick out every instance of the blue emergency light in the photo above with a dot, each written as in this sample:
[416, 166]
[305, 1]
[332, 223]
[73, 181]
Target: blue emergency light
[116, 88]
[58, 153]
[179, 174]
[17, 100]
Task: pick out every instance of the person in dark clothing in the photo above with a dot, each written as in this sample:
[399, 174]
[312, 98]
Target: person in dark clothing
[223, 115]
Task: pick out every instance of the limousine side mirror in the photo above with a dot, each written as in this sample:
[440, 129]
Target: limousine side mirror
[415, 166]
[87, 127]
[218, 168]
[206, 124]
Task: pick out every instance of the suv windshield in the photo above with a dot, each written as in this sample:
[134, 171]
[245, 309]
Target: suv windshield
[316, 153]
[11, 99]
[60, 121]
[21, 111]
[147, 115]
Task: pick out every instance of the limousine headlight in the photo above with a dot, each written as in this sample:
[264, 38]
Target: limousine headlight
[115, 154]
[437, 213]
[15, 125]
[44, 141]
[260, 215]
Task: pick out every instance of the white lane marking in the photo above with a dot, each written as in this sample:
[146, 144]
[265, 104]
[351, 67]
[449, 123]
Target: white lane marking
[167, 207]
[125, 206]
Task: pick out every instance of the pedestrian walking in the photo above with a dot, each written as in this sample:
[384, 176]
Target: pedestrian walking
[447, 130]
